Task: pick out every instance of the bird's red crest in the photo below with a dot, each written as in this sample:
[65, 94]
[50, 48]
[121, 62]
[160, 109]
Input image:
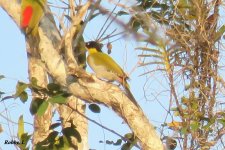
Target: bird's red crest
[26, 16]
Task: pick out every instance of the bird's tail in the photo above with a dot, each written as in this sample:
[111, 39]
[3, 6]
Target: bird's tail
[128, 92]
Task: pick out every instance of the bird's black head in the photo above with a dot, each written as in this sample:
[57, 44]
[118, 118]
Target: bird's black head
[94, 44]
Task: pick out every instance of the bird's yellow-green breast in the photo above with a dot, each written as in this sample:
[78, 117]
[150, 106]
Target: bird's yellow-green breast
[100, 61]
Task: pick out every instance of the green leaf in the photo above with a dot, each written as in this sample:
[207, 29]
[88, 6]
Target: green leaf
[131, 139]
[59, 99]
[53, 87]
[109, 142]
[23, 96]
[63, 144]
[126, 146]
[94, 108]
[43, 145]
[25, 138]
[20, 87]
[43, 107]
[52, 136]
[35, 104]
[129, 135]
[120, 13]
[71, 132]
[20, 127]
[118, 142]
[54, 125]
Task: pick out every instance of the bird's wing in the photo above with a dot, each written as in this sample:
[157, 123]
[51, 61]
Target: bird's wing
[109, 64]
